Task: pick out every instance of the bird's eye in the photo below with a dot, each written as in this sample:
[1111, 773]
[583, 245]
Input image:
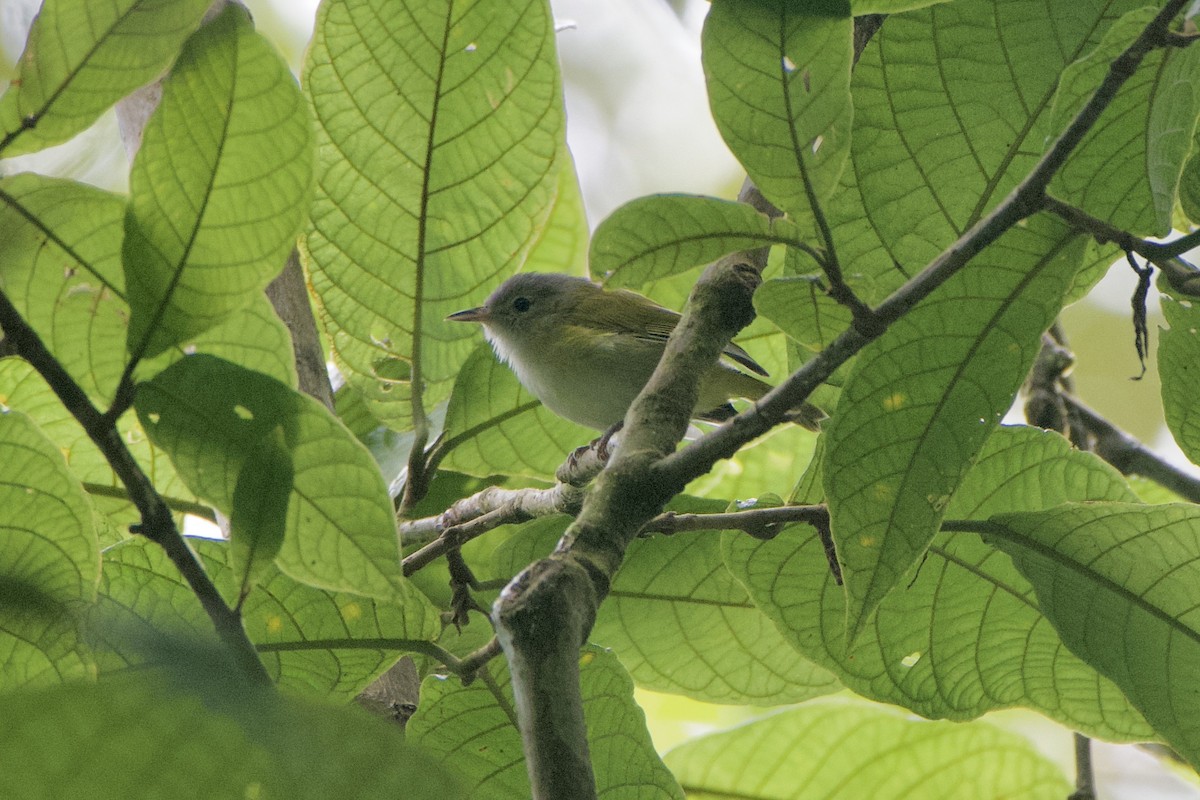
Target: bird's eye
[522, 304]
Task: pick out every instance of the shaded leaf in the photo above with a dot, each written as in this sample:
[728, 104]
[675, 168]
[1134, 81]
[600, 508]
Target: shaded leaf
[967, 636]
[1121, 583]
[76, 65]
[1179, 366]
[842, 749]
[219, 186]
[149, 738]
[260, 502]
[440, 133]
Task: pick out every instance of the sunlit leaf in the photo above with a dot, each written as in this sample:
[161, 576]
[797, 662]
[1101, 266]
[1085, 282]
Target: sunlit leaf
[219, 186]
[440, 128]
[77, 64]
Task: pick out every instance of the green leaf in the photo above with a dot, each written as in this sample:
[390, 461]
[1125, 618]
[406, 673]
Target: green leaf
[1179, 367]
[778, 77]
[1127, 169]
[921, 400]
[679, 621]
[79, 62]
[219, 187]
[151, 738]
[472, 730]
[966, 637]
[61, 267]
[562, 245]
[49, 559]
[859, 7]
[802, 310]
[655, 237]
[1189, 187]
[210, 416]
[322, 643]
[936, 147]
[440, 133]
[493, 426]
[842, 749]
[1121, 584]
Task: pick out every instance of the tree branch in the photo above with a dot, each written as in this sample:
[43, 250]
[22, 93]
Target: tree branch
[1027, 199]
[157, 520]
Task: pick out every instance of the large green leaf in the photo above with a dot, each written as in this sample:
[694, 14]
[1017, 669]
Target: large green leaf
[326, 643]
[679, 621]
[472, 730]
[440, 128]
[49, 558]
[1127, 169]
[967, 636]
[839, 750]
[1121, 583]
[921, 400]
[494, 426]
[778, 77]
[79, 61]
[1179, 367]
[662, 235]
[952, 108]
[219, 187]
[210, 416]
[153, 738]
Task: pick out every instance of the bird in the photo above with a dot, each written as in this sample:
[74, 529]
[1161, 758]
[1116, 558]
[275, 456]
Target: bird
[586, 352]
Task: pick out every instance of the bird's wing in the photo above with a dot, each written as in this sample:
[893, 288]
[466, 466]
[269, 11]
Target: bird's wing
[647, 320]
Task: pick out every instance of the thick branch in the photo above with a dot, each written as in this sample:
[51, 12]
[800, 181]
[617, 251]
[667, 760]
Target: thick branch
[158, 523]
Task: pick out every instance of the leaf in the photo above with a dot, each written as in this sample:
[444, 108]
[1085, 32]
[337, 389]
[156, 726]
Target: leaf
[322, 643]
[149, 738]
[655, 237]
[210, 416]
[802, 310]
[1119, 581]
[260, 503]
[440, 133]
[22, 388]
[967, 636]
[936, 147]
[49, 559]
[219, 187]
[1127, 169]
[679, 621]
[843, 749]
[61, 257]
[921, 400]
[859, 7]
[76, 65]
[1179, 366]
[562, 245]
[494, 426]
[778, 76]
[472, 730]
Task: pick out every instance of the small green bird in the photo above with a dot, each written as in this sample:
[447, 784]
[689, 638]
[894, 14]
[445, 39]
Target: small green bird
[586, 352]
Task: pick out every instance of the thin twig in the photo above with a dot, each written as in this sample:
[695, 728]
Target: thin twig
[1085, 778]
[1132, 457]
[174, 503]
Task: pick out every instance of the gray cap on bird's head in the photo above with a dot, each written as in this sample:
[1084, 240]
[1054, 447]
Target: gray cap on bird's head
[527, 297]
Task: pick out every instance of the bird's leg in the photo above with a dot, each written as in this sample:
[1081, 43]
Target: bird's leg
[600, 444]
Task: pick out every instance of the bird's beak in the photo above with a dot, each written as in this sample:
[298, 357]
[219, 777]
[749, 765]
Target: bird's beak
[470, 315]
